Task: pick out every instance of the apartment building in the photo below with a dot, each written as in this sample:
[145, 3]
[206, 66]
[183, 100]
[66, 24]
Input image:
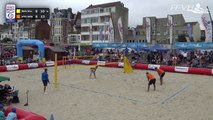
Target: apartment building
[95, 22]
[5, 31]
[61, 25]
[160, 30]
[31, 29]
[193, 28]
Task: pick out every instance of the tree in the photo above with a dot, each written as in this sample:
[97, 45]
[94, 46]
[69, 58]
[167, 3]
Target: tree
[6, 40]
[182, 38]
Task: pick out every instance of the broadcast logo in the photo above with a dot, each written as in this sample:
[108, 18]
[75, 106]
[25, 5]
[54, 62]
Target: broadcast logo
[10, 13]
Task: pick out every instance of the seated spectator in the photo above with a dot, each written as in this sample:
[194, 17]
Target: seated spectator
[12, 115]
[7, 88]
[1, 87]
[2, 116]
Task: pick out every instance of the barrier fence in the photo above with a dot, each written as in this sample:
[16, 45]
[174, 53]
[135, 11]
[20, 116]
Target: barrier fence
[177, 69]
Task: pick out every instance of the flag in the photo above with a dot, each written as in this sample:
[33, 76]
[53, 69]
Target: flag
[127, 66]
[101, 34]
[111, 31]
[133, 32]
[148, 29]
[189, 31]
[171, 26]
[90, 33]
[120, 29]
[208, 26]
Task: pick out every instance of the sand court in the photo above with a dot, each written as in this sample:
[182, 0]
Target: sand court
[114, 95]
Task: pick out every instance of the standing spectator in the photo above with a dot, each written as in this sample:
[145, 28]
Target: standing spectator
[12, 115]
[45, 79]
[174, 60]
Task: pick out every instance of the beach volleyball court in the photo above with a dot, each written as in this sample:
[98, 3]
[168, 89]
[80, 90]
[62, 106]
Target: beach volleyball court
[114, 95]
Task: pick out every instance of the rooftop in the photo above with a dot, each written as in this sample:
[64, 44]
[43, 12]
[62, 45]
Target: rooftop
[104, 5]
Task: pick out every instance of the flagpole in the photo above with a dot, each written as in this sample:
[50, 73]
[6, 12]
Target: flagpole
[210, 20]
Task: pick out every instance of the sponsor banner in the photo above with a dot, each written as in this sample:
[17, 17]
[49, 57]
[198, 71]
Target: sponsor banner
[85, 62]
[152, 66]
[50, 63]
[12, 67]
[171, 26]
[111, 31]
[208, 26]
[120, 64]
[148, 30]
[101, 63]
[189, 30]
[32, 65]
[120, 29]
[181, 69]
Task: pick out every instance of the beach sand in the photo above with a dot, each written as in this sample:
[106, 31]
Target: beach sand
[114, 95]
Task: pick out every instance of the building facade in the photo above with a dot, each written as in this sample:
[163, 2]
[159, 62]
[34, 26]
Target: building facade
[31, 29]
[61, 25]
[6, 31]
[95, 22]
[160, 30]
[195, 31]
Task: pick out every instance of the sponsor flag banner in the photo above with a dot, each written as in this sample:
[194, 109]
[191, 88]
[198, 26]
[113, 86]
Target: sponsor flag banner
[100, 34]
[120, 29]
[148, 29]
[133, 32]
[171, 26]
[189, 31]
[111, 31]
[208, 26]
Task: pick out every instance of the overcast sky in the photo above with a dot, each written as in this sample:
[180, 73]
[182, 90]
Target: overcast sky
[137, 8]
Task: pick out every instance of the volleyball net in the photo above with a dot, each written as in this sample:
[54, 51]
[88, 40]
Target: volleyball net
[93, 60]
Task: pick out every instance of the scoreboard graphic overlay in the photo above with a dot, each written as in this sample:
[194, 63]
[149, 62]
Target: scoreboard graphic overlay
[13, 14]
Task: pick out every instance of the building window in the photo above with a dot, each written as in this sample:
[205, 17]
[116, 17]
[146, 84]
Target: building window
[95, 37]
[101, 10]
[106, 19]
[94, 19]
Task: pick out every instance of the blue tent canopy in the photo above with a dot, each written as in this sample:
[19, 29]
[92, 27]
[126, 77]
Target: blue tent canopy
[193, 45]
[136, 46]
[157, 47]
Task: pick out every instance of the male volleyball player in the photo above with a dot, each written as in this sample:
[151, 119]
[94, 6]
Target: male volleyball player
[161, 74]
[93, 70]
[151, 79]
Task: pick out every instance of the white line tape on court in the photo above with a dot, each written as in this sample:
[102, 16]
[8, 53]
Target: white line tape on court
[103, 93]
[165, 100]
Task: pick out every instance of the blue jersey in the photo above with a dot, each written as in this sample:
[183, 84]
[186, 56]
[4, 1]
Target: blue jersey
[44, 76]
